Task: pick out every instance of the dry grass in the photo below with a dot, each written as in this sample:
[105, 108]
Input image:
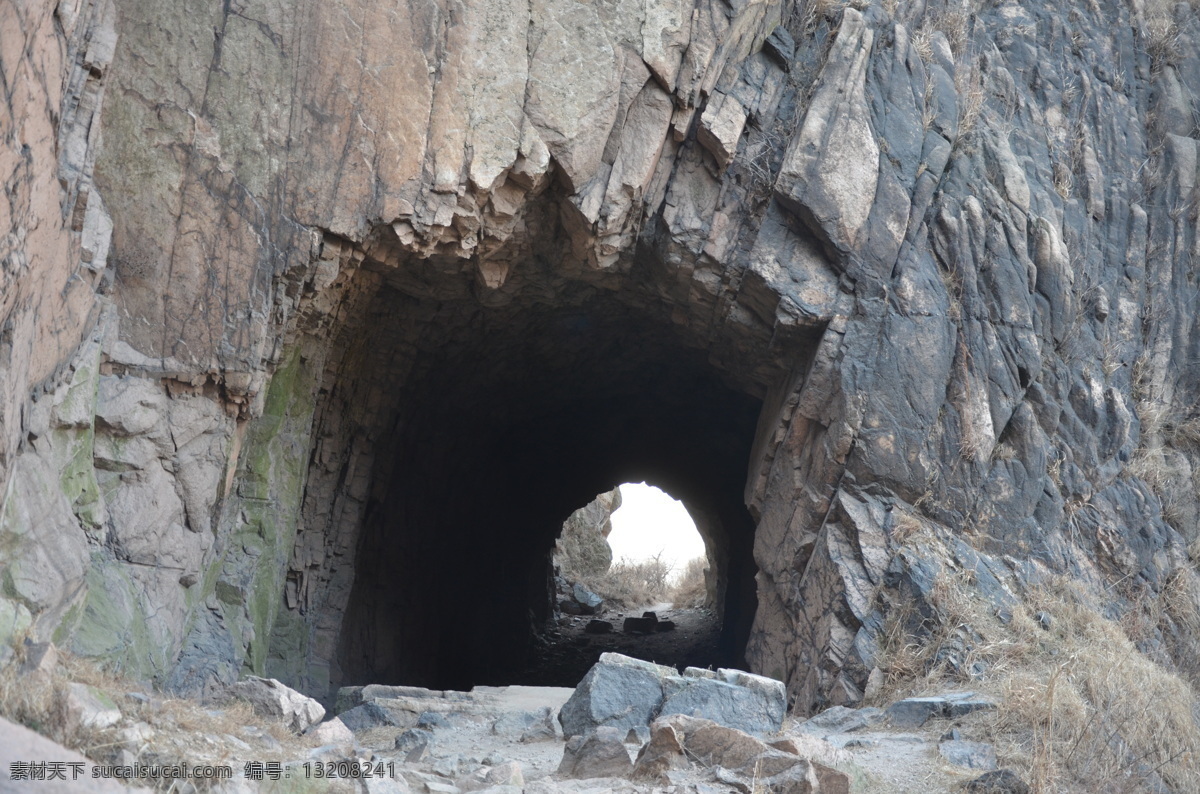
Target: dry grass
[1082, 709]
[1165, 458]
[178, 730]
[630, 585]
[691, 587]
[1160, 33]
[905, 524]
[968, 81]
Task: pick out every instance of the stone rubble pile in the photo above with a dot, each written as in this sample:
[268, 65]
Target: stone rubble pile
[631, 727]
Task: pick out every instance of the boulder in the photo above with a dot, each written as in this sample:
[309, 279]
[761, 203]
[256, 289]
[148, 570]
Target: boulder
[528, 726]
[589, 602]
[598, 753]
[736, 699]
[598, 627]
[19, 745]
[414, 743]
[429, 720]
[618, 692]
[749, 764]
[367, 716]
[385, 785]
[270, 698]
[625, 693]
[812, 748]
[661, 754]
[973, 755]
[332, 732]
[915, 712]
[88, 707]
[639, 625]
[542, 729]
[503, 776]
[840, 719]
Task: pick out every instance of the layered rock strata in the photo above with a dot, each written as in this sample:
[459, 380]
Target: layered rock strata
[885, 292]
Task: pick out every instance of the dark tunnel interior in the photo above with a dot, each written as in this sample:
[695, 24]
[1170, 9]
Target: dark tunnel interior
[509, 421]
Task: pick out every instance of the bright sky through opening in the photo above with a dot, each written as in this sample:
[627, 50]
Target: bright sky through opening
[648, 522]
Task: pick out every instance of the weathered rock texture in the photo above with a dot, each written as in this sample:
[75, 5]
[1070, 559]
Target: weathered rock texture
[582, 548]
[893, 291]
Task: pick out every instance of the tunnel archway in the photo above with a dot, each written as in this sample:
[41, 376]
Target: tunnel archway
[565, 404]
[459, 422]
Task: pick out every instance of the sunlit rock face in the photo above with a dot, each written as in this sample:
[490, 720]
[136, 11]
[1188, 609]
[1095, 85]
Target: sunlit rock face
[299, 301]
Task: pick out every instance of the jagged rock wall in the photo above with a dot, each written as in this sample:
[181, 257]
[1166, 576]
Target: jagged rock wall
[950, 247]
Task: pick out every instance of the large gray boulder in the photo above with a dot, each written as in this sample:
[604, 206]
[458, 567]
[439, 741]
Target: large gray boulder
[598, 753]
[743, 708]
[619, 692]
[625, 693]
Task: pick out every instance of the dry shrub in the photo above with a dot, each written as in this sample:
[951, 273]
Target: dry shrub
[630, 584]
[691, 587]
[905, 525]
[968, 80]
[1160, 32]
[1081, 708]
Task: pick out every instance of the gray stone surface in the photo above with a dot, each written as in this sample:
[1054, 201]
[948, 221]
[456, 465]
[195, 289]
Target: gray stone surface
[840, 719]
[618, 692]
[270, 698]
[589, 601]
[88, 707]
[333, 732]
[582, 549]
[413, 739]
[915, 712]
[735, 706]
[973, 755]
[629, 693]
[598, 753]
[367, 716]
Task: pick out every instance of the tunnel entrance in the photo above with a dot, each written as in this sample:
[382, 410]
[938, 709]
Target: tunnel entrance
[506, 432]
[458, 421]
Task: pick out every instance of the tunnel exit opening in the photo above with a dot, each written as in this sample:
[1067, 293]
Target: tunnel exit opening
[633, 574]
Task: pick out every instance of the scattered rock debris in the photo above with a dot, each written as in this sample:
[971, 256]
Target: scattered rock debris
[630, 727]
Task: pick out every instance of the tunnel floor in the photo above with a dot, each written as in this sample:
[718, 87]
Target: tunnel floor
[564, 652]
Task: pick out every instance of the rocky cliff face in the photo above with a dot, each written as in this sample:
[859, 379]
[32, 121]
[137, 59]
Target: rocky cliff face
[884, 292]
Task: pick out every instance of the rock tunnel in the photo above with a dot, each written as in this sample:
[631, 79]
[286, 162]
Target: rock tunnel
[459, 422]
